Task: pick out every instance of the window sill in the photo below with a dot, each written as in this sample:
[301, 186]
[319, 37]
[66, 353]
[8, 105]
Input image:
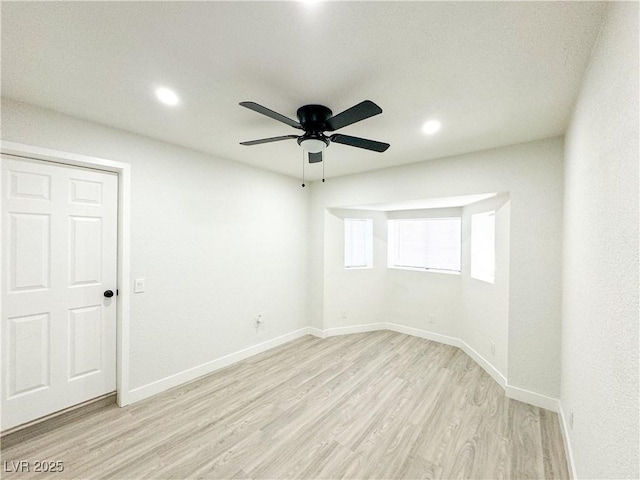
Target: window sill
[490, 281]
[426, 270]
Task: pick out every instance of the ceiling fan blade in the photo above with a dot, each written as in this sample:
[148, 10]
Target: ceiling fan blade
[315, 157]
[359, 142]
[268, 140]
[270, 113]
[354, 114]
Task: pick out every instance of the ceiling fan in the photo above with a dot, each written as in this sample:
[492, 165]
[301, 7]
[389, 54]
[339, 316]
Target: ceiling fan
[315, 120]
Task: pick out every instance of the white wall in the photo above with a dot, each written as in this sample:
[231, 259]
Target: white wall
[357, 292]
[600, 299]
[379, 294]
[485, 306]
[411, 296]
[463, 308]
[532, 173]
[217, 242]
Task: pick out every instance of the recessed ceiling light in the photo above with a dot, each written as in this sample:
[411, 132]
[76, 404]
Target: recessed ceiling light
[431, 127]
[310, 5]
[167, 96]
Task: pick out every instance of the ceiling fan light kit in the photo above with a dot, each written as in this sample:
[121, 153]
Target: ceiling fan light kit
[315, 120]
[312, 145]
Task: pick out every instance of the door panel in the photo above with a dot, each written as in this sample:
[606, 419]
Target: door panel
[85, 347]
[59, 237]
[29, 185]
[30, 246]
[83, 191]
[84, 250]
[28, 354]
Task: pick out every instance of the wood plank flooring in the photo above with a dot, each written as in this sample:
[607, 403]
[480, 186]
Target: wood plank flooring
[378, 405]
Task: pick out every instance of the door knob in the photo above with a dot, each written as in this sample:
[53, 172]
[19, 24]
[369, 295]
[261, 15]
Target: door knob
[108, 293]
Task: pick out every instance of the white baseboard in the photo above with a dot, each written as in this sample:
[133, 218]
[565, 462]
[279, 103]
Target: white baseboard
[564, 425]
[316, 332]
[416, 332]
[485, 364]
[368, 327]
[166, 383]
[532, 398]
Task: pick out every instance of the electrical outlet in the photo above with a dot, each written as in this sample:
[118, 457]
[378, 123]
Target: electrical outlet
[431, 318]
[493, 348]
[571, 419]
[344, 314]
[258, 320]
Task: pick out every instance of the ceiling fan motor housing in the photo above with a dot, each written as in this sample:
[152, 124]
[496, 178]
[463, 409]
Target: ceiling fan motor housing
[314, 117]
[313, 120]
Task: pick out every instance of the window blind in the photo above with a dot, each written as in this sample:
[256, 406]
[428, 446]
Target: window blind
[429, 243]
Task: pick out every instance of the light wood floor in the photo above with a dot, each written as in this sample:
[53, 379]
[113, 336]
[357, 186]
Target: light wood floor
[372, 405]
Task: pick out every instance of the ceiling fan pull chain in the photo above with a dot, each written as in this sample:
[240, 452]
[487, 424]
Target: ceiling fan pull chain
[303, 155]
[324, 159]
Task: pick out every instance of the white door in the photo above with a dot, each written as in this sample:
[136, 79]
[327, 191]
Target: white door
[59, 247]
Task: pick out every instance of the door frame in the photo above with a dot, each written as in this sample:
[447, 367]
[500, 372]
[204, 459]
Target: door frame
[123, 170]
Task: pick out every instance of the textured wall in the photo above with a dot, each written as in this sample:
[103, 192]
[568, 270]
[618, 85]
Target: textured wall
[600, 277]
[217, 242]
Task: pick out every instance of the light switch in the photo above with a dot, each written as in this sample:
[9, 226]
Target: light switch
[138, 285]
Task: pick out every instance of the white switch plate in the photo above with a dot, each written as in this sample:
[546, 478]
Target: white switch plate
[138, 285]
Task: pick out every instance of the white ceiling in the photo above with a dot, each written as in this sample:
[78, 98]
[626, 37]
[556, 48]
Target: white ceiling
[493, 73]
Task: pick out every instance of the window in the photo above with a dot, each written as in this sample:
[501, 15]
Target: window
[358, 243]
[483, 246]
[425, 243]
